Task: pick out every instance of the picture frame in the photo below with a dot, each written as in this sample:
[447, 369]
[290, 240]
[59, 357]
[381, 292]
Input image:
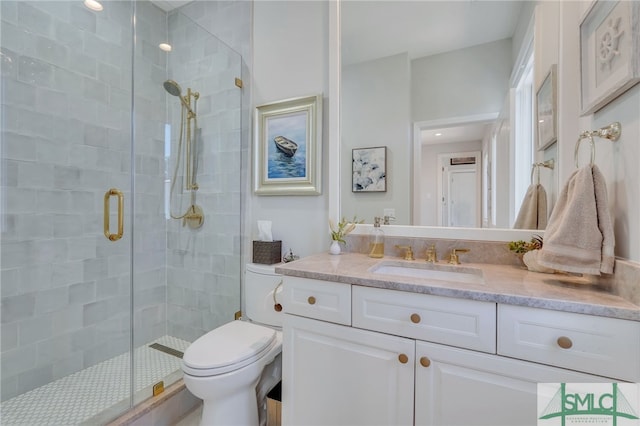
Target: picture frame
[546, 109]
[288, 147]
[609, 52]
[369, 169]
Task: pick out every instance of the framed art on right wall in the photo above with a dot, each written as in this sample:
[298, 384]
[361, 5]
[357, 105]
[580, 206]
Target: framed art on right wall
[546, 109]
[609, 52]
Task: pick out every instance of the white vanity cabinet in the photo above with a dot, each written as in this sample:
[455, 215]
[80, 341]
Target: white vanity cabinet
[337, 375]
[408, 358]
[456, 386]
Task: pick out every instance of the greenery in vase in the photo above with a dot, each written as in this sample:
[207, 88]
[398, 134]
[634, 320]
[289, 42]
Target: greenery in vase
[521, 247]
[343, 229]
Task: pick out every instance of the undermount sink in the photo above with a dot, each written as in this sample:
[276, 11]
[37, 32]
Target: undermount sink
[429, 271]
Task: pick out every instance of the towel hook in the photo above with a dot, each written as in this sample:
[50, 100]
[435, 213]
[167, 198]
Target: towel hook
[549, 164]
[611, 132]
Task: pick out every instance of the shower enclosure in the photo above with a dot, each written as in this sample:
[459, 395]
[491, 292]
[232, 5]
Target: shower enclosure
[101, 289]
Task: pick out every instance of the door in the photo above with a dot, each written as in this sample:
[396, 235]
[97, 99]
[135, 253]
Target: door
[461, 193]
[66, 208]
[460, 387]
[459, 189]
[337, 375]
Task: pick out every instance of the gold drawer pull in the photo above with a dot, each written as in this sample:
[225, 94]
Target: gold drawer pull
[415, 318]
[311, 300]
[424, 361]
[403, 358]
[564, 342]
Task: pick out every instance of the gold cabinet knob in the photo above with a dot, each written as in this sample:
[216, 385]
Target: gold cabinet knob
[403, 358]
[424, 361]
[311, 300]
[564, 342]
[415, 318]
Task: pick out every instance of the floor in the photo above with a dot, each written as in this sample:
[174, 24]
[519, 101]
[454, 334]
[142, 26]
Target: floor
[81, 396]
[191, 419]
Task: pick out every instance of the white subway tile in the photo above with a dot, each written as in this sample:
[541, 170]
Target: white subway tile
[67, 273]
[83, 18]
[34, 20]
[51, 300]
[34, 329]
[35, 71]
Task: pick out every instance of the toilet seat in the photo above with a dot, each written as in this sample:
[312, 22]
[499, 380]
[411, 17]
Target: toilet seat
[227, 348]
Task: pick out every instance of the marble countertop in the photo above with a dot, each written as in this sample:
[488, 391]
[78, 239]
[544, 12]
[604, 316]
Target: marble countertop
[502, 284]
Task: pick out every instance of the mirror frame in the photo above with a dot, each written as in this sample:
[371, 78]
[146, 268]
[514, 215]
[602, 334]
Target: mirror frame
[333, 184]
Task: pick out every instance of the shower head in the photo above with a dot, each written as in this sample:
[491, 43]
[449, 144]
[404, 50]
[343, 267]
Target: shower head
[172, 88]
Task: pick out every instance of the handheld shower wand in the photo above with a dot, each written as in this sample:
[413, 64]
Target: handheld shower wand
[194, 216]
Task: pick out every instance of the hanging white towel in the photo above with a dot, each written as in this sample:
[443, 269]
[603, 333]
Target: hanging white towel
[579, 237]
[533, 212]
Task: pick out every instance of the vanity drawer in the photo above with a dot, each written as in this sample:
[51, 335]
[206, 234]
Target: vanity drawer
[605, 346]
[457, 322]
[323, 300]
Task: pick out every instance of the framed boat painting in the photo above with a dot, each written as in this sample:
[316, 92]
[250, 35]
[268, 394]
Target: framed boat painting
[288, 147]
[369, 167]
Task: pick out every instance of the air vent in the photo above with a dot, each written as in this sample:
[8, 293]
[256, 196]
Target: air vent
[462, 160]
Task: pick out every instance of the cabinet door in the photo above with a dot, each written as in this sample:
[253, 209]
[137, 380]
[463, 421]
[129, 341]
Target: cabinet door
[337, 375]
[461, 387]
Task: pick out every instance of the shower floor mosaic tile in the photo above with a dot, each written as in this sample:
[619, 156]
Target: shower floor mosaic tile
[82, 395]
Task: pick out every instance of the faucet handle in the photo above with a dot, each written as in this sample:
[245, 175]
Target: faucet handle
[408, 254]
[432, 255]
[454, 260]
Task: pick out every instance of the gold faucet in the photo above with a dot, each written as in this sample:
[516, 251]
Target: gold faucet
[408, 254]
[454, 260]
[432, 255]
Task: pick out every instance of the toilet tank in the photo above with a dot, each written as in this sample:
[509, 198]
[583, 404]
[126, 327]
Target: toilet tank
[259, 284]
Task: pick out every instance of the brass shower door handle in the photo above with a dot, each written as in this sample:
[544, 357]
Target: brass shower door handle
[107, 231]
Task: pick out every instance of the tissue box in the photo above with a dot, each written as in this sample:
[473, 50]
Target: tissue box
[267, 252]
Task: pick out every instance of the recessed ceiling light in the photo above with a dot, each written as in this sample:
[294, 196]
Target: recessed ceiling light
[93, 5]
[165, 46]
[541, 120]
[438, 134]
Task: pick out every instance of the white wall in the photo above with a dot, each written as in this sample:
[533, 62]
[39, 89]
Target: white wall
[375, 112]
[290, 59]
[461, 83]
[618, 161]
[304, 58]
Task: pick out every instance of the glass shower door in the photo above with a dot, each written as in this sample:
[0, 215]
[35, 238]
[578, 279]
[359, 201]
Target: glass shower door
[66, 209]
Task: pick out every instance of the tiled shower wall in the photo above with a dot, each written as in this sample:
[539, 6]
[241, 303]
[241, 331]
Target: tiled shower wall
[149, 266]
[66, 123]
[203, 265]
[66, 139]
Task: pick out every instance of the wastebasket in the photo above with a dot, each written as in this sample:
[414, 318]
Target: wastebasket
[274, 406]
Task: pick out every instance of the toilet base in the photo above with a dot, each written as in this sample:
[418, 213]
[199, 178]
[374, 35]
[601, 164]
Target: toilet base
[240, 410]
[230, 399]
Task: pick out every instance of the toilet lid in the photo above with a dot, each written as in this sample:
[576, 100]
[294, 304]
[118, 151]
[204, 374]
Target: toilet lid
[233, 343]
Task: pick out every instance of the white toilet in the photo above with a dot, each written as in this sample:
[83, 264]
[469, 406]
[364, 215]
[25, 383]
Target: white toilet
[224, 366]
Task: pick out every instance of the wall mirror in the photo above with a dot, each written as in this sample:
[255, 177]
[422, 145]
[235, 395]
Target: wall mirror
[437, 83]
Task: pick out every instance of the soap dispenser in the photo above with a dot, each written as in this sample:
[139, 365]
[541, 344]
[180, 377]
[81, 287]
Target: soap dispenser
[376, 240]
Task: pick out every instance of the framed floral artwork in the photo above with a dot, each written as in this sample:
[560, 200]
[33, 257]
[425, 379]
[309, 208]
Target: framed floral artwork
[369, 167]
